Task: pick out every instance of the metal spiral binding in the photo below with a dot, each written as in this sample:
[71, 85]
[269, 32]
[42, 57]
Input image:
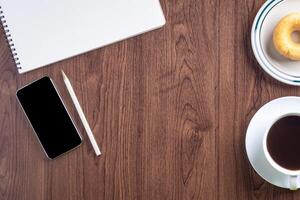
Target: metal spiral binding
[9, 39]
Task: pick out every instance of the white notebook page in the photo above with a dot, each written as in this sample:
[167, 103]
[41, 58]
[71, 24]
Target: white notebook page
[46, 31]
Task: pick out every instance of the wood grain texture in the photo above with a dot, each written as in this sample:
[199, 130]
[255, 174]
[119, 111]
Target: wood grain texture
[169, 110]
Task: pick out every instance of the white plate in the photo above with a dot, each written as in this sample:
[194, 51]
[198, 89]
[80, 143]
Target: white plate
[254, 137]
[270, 60]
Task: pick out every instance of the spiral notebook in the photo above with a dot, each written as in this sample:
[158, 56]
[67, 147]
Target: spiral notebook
[41, 32]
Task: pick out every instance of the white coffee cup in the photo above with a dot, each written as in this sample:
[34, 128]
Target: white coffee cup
[293, 174]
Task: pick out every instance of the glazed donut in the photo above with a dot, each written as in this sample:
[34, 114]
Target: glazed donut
[282, 36]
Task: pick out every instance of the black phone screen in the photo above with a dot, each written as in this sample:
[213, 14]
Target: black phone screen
[49, 117]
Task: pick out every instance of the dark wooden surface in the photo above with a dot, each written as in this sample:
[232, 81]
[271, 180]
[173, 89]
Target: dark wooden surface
[169, 109]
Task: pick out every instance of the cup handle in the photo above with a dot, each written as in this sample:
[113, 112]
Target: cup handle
[293, 182]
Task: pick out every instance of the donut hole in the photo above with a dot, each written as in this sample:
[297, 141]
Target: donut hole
[296, 36]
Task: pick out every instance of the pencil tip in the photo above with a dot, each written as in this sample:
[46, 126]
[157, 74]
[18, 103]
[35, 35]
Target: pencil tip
[63, 74]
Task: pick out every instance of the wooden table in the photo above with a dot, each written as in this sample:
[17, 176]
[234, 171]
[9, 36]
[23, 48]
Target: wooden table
[169, 110]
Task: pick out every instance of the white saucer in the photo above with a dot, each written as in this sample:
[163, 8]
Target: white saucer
[273, 63]
[254, 137]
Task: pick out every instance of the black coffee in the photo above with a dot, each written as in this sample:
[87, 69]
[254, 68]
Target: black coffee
[283, 142]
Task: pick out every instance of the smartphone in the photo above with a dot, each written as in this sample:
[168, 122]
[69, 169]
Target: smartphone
[49, 117]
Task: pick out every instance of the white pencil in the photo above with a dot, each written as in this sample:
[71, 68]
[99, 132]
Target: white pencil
[80, 113]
